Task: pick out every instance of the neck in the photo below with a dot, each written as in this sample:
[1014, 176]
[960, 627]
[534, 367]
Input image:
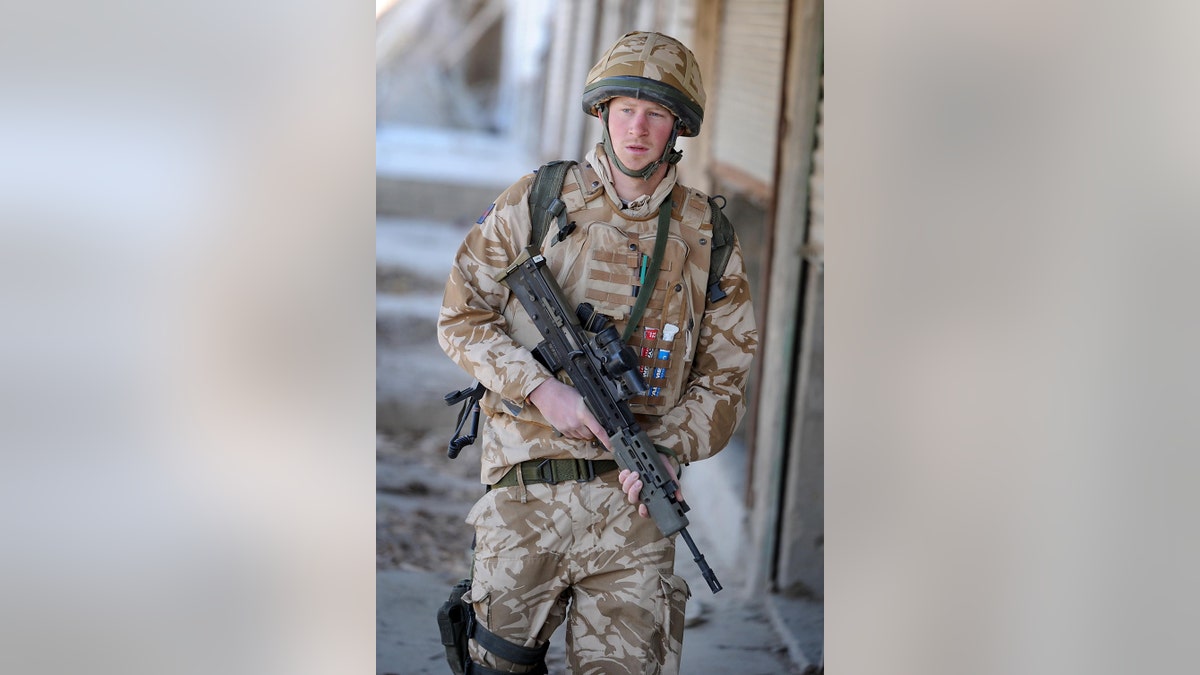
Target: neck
[630, 188]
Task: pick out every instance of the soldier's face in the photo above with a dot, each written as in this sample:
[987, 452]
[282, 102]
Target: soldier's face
[639, 130]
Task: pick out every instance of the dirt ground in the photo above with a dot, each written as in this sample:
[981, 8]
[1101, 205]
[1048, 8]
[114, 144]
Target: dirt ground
[420, 506]
[422, 496]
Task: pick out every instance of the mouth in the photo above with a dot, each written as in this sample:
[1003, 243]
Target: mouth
[637, 149]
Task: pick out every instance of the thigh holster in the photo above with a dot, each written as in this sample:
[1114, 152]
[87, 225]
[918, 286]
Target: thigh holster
[456, 620]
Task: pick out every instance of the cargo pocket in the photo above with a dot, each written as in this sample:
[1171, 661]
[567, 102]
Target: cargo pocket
[503, 639]
[483, 511]
[478, 597]
[675, 593]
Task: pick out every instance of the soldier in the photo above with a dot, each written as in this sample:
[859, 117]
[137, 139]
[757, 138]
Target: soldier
[575, 549]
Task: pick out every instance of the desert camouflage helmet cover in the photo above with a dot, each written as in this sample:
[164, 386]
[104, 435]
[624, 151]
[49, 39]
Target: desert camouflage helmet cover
[649, 66]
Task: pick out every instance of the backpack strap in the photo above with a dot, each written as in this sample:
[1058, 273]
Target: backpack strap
[545, 201]
[723, 238]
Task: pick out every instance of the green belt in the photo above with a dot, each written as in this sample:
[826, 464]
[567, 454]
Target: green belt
[555, 471]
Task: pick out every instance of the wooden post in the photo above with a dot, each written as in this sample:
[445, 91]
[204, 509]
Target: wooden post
[779, 334]
[553, 123]
[582, 58]
[697, 156]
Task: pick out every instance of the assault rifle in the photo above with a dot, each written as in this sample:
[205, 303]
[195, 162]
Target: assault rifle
[605, 372]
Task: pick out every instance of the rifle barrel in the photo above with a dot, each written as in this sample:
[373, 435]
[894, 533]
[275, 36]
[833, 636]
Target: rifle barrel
[711, 577]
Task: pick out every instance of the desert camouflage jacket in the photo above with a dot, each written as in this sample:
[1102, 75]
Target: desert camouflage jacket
[695, 355]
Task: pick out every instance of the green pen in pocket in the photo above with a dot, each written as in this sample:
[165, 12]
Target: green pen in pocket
[641, 275]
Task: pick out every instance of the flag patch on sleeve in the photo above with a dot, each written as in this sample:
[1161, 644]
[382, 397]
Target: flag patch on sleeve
[485, 214]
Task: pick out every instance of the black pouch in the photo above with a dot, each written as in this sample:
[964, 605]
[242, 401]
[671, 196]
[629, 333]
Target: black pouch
[454, 619]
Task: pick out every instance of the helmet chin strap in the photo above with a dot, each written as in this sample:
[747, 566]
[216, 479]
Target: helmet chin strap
[670, 154]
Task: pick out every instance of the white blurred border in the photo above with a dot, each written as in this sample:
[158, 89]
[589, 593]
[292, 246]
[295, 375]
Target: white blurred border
[1012, 229]
[187, 245]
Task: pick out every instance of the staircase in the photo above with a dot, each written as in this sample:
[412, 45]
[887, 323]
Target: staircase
[443, 174]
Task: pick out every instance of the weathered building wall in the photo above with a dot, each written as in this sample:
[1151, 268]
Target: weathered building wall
[786, 496]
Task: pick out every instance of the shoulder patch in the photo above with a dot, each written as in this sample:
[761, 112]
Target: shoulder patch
[485, 214]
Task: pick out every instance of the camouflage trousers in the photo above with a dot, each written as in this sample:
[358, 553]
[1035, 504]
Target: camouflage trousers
[577, 552]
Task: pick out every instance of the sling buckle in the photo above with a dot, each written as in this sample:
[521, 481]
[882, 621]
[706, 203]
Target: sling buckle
[586, 470]
[545, 472]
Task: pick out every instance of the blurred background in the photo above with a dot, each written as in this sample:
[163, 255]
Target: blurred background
[209, 284]
[473, 94]
[201, 258]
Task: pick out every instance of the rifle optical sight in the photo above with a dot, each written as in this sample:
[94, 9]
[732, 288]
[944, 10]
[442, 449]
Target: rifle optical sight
[619, 360]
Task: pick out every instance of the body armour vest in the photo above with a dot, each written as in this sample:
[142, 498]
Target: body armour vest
[604, 261]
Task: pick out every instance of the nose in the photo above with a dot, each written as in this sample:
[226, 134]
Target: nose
[638, 126]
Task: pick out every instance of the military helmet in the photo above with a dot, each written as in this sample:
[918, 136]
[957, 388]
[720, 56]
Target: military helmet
[649, 66]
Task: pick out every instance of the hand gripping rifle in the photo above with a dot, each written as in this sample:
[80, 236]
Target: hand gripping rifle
[605, 372]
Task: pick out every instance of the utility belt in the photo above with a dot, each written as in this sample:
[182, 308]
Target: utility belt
[554, 471]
